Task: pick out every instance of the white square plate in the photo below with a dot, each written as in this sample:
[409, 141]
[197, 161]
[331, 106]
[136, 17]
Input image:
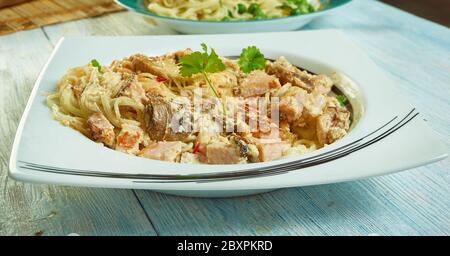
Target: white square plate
[389, 137]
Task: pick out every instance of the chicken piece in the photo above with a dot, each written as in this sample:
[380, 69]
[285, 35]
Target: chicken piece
[143, 63]
[166, 151]
[101, 129]
[288, 73]
[162, 66]
[322, 84]
[222, 153]
[224, 82]
[179, 54]
[236, 115]
[133, 90]
[257, 83]
[333, 124]
[290, 109]
[233, 64]
[291, 104]
[272, 151]
[129, 139]
[315, 104]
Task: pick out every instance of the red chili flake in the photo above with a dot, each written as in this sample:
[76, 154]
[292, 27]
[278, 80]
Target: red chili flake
[196, 148]
[161, 79]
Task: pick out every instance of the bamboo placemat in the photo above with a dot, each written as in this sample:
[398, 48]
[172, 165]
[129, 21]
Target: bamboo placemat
[39, 13]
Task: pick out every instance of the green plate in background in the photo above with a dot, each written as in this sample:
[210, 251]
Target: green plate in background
[241, 26]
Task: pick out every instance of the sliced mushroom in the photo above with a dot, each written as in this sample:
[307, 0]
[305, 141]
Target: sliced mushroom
[166, 119]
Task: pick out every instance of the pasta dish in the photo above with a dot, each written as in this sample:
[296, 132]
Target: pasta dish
[198, 107]
[226, 10]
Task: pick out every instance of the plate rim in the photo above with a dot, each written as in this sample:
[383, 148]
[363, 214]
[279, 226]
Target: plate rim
[13, 170]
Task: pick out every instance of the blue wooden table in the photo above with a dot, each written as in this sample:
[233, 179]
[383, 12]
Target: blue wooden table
[414, 52]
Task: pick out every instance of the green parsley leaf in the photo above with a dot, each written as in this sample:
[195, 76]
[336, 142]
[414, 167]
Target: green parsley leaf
[192, 64]
[251, 59]
[214, 63]
[96, 64]
[204, 47]
[342, 100]
[202, 63]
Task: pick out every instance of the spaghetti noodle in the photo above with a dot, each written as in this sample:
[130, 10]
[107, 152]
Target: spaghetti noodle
[141, 105]
[224, 10]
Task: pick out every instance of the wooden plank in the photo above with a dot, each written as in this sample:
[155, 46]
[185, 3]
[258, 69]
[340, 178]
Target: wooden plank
[390, 205]
[27, 209]
[116, 24]
[415, 54]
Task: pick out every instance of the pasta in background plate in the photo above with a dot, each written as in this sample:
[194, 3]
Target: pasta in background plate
[225, 10]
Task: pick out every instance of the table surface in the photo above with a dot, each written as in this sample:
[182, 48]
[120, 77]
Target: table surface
[414, 52]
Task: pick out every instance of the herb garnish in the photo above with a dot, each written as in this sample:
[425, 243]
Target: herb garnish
[342, 100]
[96, 64]
[202, 63]
[251, 59]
